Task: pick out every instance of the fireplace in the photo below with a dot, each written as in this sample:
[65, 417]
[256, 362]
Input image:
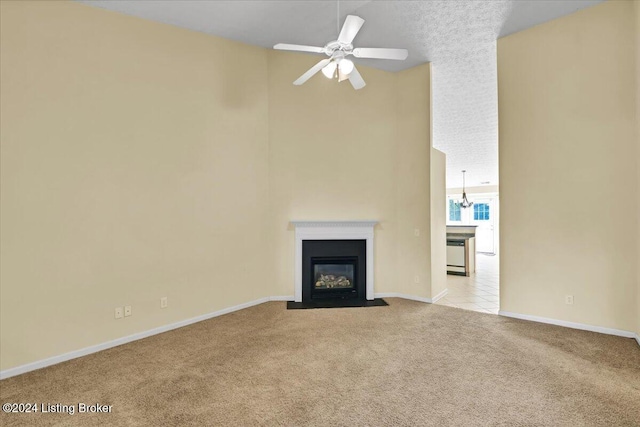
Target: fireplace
[334, 270]
[334, 264]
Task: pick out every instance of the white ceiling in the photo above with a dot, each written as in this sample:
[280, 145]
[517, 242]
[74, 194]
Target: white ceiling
[457, 36]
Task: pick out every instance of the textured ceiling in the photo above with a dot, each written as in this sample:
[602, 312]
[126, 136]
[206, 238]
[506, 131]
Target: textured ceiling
[457, 36]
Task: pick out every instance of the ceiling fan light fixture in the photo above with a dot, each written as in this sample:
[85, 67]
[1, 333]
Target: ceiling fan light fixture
[329, 70]
[346, 66]
[336, 66]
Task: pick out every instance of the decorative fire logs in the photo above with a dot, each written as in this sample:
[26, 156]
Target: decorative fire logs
[331, 281]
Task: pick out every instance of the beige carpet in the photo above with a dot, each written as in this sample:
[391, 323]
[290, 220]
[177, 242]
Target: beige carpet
[409, 364]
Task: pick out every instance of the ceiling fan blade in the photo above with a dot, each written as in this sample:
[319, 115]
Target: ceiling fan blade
[311, 71]
[299, 48]
[380, 53]
[350, 28]
[356, 79]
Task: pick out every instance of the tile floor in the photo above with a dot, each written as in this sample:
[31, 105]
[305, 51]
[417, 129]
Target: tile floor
[480, 291]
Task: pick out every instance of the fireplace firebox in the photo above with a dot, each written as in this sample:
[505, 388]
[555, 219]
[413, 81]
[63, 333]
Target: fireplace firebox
[333, 270]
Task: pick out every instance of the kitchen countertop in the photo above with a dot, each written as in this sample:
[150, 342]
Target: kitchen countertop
[459, 236]
[461, 232]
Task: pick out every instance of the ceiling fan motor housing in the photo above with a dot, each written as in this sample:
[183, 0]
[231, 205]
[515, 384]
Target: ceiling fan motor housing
[336, 47]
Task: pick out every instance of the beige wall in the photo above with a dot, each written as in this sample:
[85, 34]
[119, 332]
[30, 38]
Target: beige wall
[134, 166]
[141, 160]
[636, 4]
[568, 168]
[413, 186]
[438, 222]
[335, 154]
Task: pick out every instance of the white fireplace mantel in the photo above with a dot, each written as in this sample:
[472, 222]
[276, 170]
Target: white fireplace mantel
[333, 230]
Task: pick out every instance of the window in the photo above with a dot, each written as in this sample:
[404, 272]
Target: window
[454, 211]
[481, 212]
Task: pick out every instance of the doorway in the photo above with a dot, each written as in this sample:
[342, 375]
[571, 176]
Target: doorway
[481, 290]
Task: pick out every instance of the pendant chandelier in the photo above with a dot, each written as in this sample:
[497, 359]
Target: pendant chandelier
[464, 203]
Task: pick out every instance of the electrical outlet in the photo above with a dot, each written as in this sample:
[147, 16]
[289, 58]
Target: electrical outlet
[416, 232]
[127, 311]
[568, 299]
[164, 302]
[118, 312]
[416, 279]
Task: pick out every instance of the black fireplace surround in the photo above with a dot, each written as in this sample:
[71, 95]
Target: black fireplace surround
[334, 270]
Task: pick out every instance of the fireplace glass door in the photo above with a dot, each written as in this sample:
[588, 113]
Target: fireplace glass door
[335, 276]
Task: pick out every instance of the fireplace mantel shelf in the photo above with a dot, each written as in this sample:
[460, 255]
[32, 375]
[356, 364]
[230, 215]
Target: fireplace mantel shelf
[334, 223]
[333, 230]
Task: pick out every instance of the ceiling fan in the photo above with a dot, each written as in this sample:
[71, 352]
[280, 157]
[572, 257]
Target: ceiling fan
[338, 65]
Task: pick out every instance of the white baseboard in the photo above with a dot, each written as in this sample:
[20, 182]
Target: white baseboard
[405, 296]
[638, 338]
[573, 325]
[412, 297]
[440, 295]
[282, 298]
[124, 340]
